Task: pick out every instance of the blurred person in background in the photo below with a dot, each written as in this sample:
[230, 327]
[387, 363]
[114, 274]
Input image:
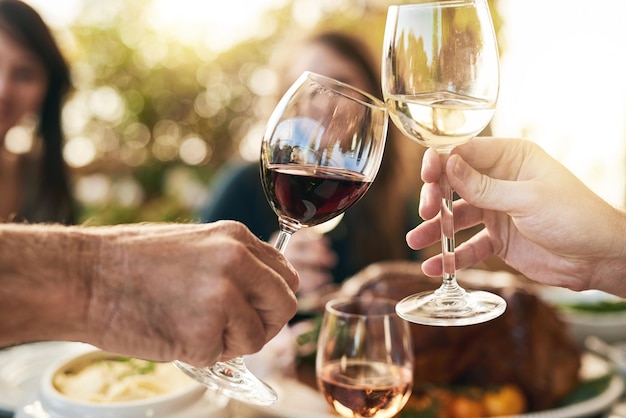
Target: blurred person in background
[374, 228]
[34, 82]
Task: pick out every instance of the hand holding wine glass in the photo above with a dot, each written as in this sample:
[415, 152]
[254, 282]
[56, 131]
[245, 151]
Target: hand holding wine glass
[321, 150]
[440, 82]
[364, 362]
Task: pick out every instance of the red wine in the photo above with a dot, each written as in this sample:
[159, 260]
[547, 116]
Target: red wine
[358, 388]
[311, 195]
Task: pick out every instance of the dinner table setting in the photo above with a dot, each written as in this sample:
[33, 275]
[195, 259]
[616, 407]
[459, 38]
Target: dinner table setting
[554, 373]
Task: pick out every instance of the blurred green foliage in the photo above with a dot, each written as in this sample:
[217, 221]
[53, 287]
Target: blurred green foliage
[141, 95]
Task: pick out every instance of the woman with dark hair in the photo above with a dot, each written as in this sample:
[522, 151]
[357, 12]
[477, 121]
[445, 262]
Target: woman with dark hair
[34, 82]
[374, 228]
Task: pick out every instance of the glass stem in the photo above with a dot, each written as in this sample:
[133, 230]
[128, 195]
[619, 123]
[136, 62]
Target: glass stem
[286, 231]
[447, 228]
[282, 240]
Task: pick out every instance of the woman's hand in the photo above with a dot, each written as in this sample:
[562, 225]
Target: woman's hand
[537, 216]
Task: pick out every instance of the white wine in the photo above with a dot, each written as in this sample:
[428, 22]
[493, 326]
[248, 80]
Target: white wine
[439, 120]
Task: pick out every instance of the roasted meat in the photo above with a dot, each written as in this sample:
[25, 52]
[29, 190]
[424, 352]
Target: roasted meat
[528, 345]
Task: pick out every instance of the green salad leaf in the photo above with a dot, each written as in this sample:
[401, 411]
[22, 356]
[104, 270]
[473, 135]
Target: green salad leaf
[587, 389]
[603, 306]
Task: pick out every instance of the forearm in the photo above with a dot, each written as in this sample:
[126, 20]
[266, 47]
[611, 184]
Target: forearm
[44, 290]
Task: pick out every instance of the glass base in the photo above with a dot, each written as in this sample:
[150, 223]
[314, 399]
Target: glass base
[436, 308]
[234, 380]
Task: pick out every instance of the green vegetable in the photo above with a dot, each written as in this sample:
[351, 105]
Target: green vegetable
[600, 307]
[137, 366]
[587, 389]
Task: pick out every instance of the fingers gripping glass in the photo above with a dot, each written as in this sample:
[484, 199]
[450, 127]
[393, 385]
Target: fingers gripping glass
[440, 79]
[321, 151]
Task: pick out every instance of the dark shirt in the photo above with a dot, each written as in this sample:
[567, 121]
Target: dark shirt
[238, 195]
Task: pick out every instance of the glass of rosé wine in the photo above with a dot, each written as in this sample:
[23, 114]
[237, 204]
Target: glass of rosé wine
[364, 363]
[322, 147]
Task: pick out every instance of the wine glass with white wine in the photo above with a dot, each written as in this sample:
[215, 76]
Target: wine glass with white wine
[320, 153]
[440, 76]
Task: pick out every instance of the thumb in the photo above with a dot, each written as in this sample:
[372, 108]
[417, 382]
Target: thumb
[481, 190]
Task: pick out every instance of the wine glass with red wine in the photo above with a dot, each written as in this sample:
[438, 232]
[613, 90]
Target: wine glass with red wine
[364, 363]
[321, 150]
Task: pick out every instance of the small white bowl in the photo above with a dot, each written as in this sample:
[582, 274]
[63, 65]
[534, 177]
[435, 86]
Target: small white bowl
[57, 404]
[610, 326]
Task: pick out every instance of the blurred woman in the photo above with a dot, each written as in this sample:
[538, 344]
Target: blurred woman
[34, 82]
[374, 228]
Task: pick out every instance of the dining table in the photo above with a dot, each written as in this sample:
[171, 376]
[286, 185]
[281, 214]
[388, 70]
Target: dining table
[300, 400]
[280, 364]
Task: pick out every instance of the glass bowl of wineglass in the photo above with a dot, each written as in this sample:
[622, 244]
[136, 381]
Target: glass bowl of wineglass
[440, 78]
[364, 362]
[321, 151]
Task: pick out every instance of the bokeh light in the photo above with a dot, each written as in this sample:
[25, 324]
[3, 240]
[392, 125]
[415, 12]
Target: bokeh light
[218, 27]
[19, 140]
[563, 86]
[93, 189]
[79, 152]
[193, 150]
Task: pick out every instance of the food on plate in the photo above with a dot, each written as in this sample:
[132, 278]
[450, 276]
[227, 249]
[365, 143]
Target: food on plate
[119, 379]
[466, 402]
[526, 359]
[505, 400]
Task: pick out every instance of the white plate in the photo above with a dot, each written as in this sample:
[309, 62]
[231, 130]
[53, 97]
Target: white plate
[21, 369]
[297, 399]
[211, 405]
[22, 366]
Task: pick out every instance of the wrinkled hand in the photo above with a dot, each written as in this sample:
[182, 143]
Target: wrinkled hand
[537, 215]
[196, 293]
[311, 255]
